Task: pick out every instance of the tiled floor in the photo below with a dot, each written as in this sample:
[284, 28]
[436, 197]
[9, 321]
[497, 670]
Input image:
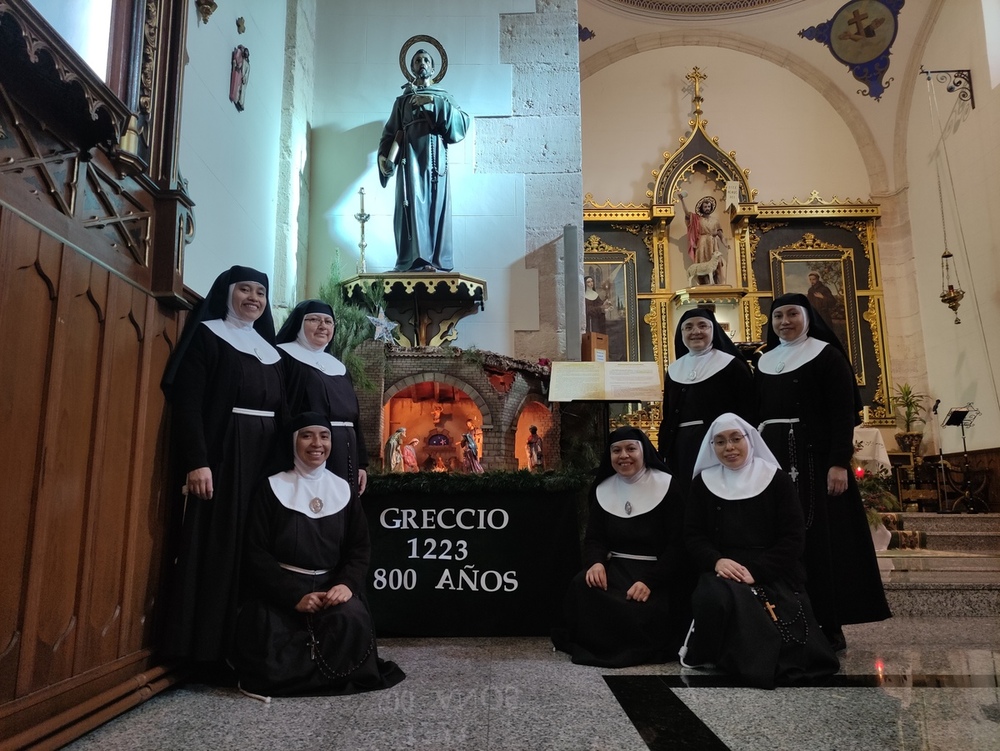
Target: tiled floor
[908, 683]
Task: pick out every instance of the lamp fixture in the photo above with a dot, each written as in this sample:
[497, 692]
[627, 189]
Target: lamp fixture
[960, 81]
[955, 81]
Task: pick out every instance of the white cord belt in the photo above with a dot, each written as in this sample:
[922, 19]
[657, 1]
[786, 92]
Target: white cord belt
[689, 423]
[253, 412]
[341, 424]
[306, 571]
[631, 556]
[773, 421]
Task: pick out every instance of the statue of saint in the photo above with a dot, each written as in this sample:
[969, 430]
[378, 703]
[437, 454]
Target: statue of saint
[423, 122]
[706, 241]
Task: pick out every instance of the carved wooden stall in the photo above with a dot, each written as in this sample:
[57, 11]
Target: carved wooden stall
[765, 250]
[93, 222]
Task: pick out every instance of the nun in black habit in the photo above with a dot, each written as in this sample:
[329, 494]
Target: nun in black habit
[305, 627]
[745, 533]
[224, 385]
[709, 377]
[808, 401]
[631, 603]
[316, 381]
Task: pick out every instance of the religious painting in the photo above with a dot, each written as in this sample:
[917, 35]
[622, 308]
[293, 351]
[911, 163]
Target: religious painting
[826, 277]
[860, 35]
[239, 77]
[609, 297]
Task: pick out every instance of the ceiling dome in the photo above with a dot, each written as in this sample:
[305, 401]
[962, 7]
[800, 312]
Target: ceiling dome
[681, 10]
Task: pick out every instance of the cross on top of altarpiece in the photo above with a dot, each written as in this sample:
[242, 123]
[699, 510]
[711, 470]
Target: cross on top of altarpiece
[696, 77]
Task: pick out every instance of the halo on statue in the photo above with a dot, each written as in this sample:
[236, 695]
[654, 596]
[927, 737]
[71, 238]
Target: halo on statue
[404, 55]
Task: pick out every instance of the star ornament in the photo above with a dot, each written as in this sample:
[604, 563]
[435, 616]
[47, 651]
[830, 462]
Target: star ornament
[383, 327]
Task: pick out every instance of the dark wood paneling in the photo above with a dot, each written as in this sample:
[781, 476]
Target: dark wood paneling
[82, 542]
[27, 308]
[91, 300]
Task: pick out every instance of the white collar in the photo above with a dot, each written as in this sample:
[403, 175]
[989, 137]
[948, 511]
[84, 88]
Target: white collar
[314, 358]
[243, 337]
[697, 367]
[315, 494]
[628, 498]
[790, 356]
[736, 484]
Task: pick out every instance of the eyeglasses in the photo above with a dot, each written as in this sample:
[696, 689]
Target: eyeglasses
[720, 443]
[319, 319]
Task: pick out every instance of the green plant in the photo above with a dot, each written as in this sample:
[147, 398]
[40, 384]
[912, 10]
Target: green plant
[353, 326]
[876, 496]
[910, 405]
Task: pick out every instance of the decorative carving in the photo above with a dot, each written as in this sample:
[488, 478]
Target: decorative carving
[426, 307]
[205, 9]
[609, 211]
[105, 114]
[647, 419]
[150, 28]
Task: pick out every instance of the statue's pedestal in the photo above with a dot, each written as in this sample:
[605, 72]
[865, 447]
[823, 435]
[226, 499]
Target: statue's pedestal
[426, 305]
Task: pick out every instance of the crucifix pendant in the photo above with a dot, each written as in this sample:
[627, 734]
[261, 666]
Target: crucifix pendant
[770, 610]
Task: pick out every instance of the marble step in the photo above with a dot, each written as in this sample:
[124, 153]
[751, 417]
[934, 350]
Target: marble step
[955, 532]
[929, 583]
[928, 522]
[924, 599]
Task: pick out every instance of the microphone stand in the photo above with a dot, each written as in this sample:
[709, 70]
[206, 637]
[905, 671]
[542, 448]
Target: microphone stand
[943, 482]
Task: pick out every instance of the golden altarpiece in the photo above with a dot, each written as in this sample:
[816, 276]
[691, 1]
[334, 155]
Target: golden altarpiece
[638, 257]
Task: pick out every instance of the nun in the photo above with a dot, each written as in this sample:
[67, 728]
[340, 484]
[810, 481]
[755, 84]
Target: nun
[745, 533]
[630, 604]
[316, 381]
[808, 403]
[304, 627]
[709, 377]
[225, 387]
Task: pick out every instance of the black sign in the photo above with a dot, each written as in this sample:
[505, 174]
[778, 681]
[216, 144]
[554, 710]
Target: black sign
[470, 566]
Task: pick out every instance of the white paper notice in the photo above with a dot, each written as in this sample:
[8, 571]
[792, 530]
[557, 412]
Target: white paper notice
[605, 381]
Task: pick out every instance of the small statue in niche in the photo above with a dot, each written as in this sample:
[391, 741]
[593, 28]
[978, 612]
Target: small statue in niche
[410, 456]
[477, 436]
[470, 459]
[392, 460]
[706, 242]
[536, 462]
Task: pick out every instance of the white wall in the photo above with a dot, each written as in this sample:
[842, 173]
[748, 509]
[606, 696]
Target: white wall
[230, 158]
[785, 133]
[963, 361]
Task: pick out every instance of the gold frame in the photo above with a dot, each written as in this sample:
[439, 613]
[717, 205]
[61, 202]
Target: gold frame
[618, 267]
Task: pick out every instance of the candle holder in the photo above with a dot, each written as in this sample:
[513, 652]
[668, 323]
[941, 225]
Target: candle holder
[362, 217]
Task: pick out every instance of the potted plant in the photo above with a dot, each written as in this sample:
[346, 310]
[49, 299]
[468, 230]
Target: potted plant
[876, 496]
[877, 500]
[909, 407]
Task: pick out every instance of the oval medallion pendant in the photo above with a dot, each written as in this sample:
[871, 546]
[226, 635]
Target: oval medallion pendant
[316, 505]
[628, 508]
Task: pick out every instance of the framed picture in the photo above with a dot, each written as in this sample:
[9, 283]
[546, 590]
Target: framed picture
[609, 297]
[826, 277]
[833, 261]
